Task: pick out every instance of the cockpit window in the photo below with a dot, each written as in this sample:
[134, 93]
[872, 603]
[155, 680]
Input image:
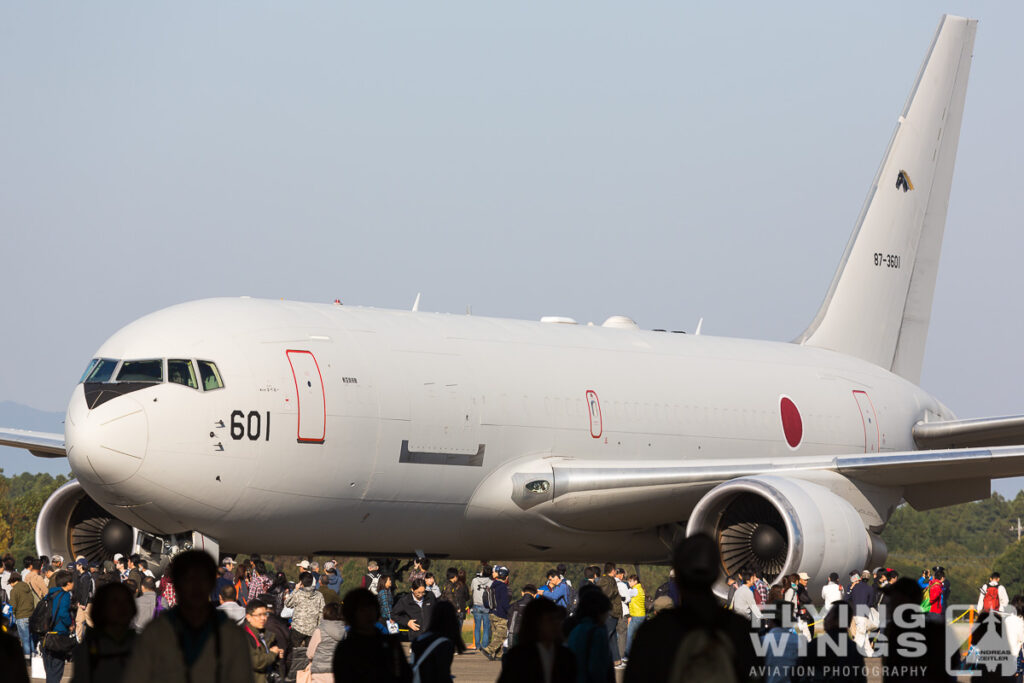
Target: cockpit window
[181, 372]
[99, 370]
[141, 371]
[210, 375]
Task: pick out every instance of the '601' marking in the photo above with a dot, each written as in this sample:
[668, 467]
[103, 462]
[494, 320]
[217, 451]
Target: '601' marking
[250, 425]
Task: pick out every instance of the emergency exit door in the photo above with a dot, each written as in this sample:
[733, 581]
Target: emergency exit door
[870, 419]
[309, 394]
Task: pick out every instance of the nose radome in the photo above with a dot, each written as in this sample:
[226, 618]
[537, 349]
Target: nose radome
[105, 445]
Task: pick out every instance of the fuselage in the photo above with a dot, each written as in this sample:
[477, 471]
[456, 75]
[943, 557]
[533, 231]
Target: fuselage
[366, 431]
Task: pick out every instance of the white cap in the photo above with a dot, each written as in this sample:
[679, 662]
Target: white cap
[118, 556]
[304, 564]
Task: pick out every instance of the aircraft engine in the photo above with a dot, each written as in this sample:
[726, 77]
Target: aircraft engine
[782, 525]
[72, 524]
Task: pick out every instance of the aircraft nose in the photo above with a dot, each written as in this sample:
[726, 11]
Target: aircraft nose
[105, 445]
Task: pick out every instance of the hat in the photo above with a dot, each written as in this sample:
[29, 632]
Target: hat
[228, 560]
[372, 565]
[82, 562]
[866, 575]
[304, 564]
[804, 576]
[329, 565]
[108, 566]
[57, 559]
[118, 557]
[502, 572]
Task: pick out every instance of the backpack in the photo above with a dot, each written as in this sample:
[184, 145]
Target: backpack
[704, 655]
[372, 583]
[990, 603]
[43, 616]
[490, 602]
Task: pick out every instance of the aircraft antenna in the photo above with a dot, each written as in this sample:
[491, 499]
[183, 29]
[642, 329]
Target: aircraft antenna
[700, 324]
[416, 304]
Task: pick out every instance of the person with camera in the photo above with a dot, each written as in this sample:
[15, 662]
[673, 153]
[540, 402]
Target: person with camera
[59, 639]
[263, 649]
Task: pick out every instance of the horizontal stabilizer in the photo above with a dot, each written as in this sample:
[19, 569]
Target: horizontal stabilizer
[42, 444]
[982, 431]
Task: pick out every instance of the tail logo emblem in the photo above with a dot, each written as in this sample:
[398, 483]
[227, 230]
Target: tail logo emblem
[903, 181]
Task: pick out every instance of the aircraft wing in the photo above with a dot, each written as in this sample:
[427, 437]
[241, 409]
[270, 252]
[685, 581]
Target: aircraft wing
[42, 444]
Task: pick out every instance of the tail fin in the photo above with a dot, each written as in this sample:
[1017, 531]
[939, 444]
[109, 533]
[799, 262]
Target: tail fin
[880, 301]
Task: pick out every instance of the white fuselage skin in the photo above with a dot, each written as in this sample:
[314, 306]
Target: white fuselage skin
[163, 458]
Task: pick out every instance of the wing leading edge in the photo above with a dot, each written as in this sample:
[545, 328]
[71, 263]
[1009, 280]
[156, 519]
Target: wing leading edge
[42, 444]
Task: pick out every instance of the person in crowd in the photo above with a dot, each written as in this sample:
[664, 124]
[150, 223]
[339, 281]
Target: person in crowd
[225, 577]
[85, 587]
[992, 596]
[1013, 623]
[852, 581]
[540, 654]
[557, 590]
[589, 640]
[481, 615]
[5, 575]
[308, 605]
[935, 589]
[744, 604]
[928, 656]
[637, 609]
[134, 573]
[314, 569]
[413, 610]
[515, 620]
[433, 652]
[668, 589]
[228, 604]
[366, 654]
[11, 663]
[119, 567]
[259, 583]
[191, 641]
[57, 642]
[35, 579]
[498, 604]
[330, 585]
[102, 654]
[420, 565]
[385, 597]
[264, 653]
[324, 642]
[168, 597]
[145, 604]
[276, 594]
[23, 603]
[242, 577]
[862, 599]
[371, 579]
[606, 582]
[455, 592]
[760, 587]
[431, 583]
[664, 646]
[781, 641]
[622, 626]
[831, 592]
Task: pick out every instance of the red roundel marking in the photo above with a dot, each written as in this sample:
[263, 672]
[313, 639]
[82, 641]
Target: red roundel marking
[792, 425]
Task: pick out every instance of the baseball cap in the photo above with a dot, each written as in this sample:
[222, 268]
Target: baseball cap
[502, 572]
[118, 557]
[228, 560]
[304, 564]
[57, 559]
[372, 565]
[865, 574]
[329, 565]
[82, 562]
[804, 576]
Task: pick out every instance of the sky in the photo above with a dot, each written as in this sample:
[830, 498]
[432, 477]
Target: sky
[666, 161]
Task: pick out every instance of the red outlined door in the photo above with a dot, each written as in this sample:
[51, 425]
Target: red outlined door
[594, 408]
[309, 393]
[870, 420]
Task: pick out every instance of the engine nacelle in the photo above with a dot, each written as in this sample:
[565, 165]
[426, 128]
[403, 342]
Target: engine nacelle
[782, 525]
[72, 524]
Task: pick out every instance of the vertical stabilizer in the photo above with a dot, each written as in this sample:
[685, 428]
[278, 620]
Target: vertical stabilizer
[880, 301]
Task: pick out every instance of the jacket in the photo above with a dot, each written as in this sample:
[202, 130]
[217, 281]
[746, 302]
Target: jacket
[589, 644]
[515, 619]
[63, 621]
[745, 605]
[406, 609]
[158, 657]
[100, 658]
[375, 658]
[437, 666]
[610, 588]
[501, 605]
[233, 610]
[260, 656]
[37, 583]
[457, 594]
[145, 606]
[1000, 596]
[84, 589]
[22, 600]
[558, 595]
[308, 604]
[476, 589]
[638, 603]
[331, 596]
[323, 644]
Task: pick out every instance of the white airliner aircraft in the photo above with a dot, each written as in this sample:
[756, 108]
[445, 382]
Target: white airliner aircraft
[275, 426]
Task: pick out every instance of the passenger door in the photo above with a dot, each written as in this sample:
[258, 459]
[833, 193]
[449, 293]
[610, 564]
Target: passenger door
[309, 393]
